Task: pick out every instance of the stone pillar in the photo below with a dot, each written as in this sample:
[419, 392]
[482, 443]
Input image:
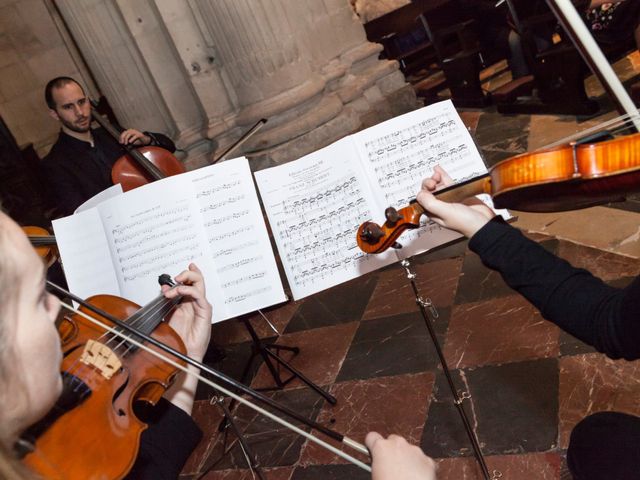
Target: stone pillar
[136, 68]
[305, 65]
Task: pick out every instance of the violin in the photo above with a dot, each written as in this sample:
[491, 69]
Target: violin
[93, 385]
[141, 165]
[93, 431]
[569, 177]
[43, 242]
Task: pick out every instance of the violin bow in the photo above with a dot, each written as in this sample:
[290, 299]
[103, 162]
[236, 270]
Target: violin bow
[221, 376]
[241, 140]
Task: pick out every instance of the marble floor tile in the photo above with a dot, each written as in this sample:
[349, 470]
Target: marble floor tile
[233, 331]
[393, 346]
[501, 330]
[341, 304]
[605, 265]
[538, 466]
[322, 351]
[282, 473]
[513, 409]
[378, 404]
[591, 383]
[393, 294]
[478, 283]
[330, 472]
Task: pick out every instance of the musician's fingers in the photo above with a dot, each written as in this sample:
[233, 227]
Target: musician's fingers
[443, 176]
[371, 439]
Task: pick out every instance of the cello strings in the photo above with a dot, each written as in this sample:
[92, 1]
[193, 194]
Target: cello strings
[236, 397]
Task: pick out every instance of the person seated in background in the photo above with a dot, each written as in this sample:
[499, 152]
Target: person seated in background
[605, 444]
[79, 163]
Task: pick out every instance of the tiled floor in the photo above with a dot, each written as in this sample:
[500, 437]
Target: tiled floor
[366, 343]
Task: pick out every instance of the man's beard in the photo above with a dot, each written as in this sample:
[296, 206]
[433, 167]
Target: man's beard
[74, 128]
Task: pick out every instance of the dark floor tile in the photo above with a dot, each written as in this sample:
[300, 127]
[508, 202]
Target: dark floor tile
[340, 304]
[478, 283]
[538, 466]
[378, 404]
[271, 443]
[591, 383]
[393, 346]
[322, 351]
[570, 345]
[236, 359]
[500, 330]
[514, 406]
[330, 472]
[393, 295]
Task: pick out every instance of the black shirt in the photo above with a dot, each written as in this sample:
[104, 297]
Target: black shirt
[572, 298]
[75, 171]
[166, 445]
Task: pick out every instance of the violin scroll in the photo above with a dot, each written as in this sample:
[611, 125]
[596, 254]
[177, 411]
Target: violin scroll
[373, 238]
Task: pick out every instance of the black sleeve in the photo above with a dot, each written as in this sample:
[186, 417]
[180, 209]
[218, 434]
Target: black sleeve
[162, 141]
[166, 445]
[62, 194]
[570, 297]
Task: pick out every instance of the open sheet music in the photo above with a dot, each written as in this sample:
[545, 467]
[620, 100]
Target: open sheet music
[316, 204]
[210, 217]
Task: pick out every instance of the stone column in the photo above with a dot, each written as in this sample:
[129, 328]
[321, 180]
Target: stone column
[136, 68]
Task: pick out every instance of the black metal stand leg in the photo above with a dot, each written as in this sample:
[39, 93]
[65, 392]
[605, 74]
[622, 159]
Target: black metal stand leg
[229, 422]
[273, 363]
[457, 399]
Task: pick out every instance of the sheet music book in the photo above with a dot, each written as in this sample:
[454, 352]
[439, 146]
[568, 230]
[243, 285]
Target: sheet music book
[316, 203]
[209, 216]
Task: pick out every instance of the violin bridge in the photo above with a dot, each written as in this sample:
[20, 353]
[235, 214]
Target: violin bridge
[100, 357]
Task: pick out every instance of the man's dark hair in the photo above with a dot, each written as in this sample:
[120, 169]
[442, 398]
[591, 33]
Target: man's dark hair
[57, 82]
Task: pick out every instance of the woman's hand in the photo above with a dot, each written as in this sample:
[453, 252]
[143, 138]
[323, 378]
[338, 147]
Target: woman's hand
[394, 458]
[192, 321]
[467, 217]
[192, 318]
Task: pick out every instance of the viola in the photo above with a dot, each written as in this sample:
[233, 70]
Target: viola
[570, 177]
[141, 165]
[43, 242]
[93, 431]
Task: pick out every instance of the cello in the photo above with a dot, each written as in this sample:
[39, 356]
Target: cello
[141, 165]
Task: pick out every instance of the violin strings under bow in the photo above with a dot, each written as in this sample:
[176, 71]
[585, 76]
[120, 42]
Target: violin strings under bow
[157, 308]
[357, 446]
[615, 125]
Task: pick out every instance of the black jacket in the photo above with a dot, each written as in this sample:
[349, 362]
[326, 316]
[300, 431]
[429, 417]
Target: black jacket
[572, 298]
[74, 171]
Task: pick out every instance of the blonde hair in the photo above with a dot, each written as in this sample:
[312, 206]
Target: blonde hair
[10, 467]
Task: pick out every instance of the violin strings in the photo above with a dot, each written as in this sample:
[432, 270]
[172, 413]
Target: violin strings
[156, 306]
[622, 121]
[236, 397]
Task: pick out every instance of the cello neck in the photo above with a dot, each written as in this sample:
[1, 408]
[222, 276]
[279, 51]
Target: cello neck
[140, 159]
